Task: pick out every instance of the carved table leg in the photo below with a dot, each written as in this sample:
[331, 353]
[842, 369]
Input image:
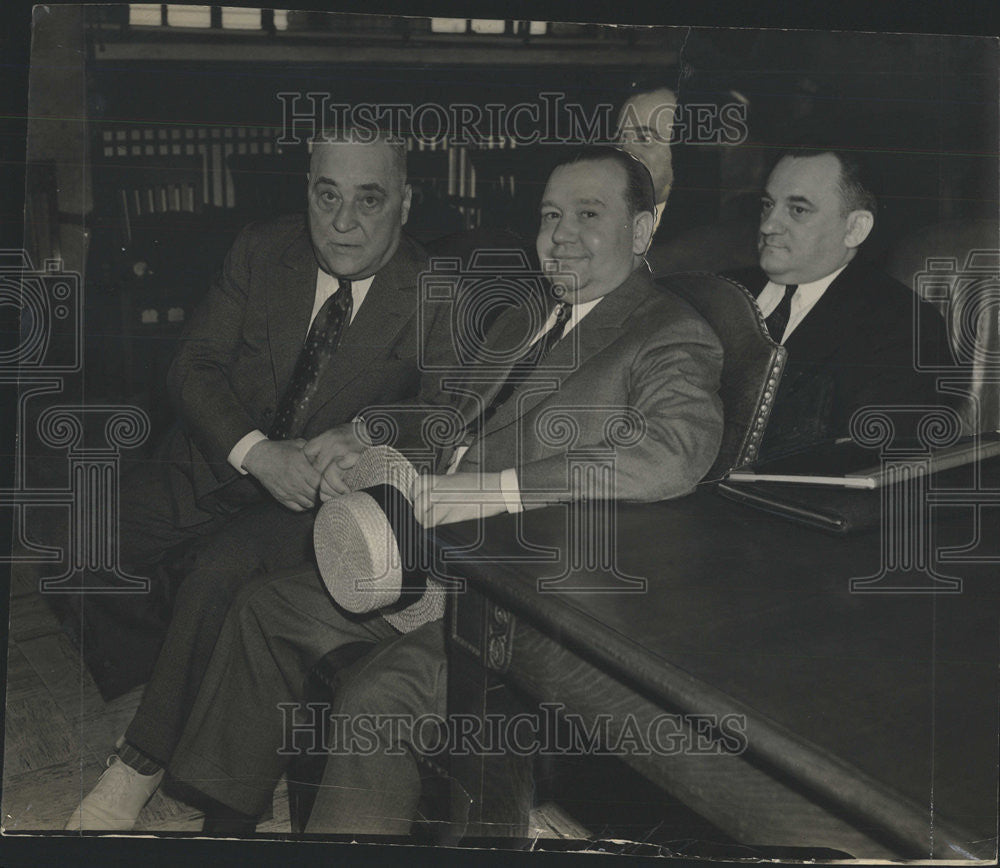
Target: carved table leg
[496, 777]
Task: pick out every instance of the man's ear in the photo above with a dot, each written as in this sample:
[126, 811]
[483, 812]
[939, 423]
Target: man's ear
[859, 227]
[642, 232]
[407, 197]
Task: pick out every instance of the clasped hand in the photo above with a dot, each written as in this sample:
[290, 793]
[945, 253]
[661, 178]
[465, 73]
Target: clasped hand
[333, 452]
[300, 473]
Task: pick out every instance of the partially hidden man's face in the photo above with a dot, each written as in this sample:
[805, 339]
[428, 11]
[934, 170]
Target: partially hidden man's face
[358, 203]
[645, 125]
[804, 234]
[586, 230]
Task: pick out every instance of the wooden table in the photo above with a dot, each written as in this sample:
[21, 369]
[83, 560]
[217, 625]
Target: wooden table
[869, 720]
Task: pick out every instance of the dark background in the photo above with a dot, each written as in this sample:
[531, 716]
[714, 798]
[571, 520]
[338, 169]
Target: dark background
[944, 121]
[110, 102]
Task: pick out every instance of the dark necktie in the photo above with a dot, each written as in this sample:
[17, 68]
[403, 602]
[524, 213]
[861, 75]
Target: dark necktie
[314, 358]
[524, 366]
[777, 319]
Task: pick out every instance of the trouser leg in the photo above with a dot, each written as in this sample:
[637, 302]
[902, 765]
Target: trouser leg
[119, 630]
[372, 783]
[279, 626]
[267, 538]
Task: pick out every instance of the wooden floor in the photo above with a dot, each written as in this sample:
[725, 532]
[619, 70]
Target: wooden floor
[59, 732]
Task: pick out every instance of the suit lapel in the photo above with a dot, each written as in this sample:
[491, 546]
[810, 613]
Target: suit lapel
[827, 327]
[597, 330]
[291, 293]
[388, 307]
[486, 380]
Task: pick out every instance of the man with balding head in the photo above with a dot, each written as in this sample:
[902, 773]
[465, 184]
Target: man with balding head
[850, 330]
[645, 128]
[610, 341]
[311, 321]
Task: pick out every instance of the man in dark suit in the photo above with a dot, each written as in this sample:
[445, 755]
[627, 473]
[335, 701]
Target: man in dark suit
[311, 321]
[625, 346]
[851, 331]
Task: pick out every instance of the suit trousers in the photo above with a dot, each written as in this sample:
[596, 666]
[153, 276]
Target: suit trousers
[239, 736]
[263, 538]
[372, 784]
[119, 634]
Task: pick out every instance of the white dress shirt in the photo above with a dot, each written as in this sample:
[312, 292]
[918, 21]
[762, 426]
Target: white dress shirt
[803, 301]
[326, 285]
[509, 485]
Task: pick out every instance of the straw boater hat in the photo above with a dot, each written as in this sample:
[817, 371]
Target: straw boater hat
[368, 544]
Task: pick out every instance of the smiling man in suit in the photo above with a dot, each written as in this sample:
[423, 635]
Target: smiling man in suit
[592, 240]
[851, 331]
[610, 341]
[311, 321]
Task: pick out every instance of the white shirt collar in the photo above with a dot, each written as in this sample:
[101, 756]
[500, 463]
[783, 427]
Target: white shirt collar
[803, 301]
[576, 313]
[327, 285]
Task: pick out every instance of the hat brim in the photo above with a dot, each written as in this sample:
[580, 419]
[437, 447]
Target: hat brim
[356, 548]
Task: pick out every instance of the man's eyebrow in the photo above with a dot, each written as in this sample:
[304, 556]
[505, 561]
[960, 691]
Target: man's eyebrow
[547, 204]
[792, 200]
[373, 186]
[800, 200]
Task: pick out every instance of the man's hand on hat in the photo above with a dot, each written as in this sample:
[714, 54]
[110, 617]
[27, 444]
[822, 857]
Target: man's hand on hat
[341, 444]
[283, 468]
[334, 451]
[456, 497]
[331, 481]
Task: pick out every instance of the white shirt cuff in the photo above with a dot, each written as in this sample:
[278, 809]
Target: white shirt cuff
[511, 490]
[238, 454]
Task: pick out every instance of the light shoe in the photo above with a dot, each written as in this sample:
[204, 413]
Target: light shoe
[116, 799]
